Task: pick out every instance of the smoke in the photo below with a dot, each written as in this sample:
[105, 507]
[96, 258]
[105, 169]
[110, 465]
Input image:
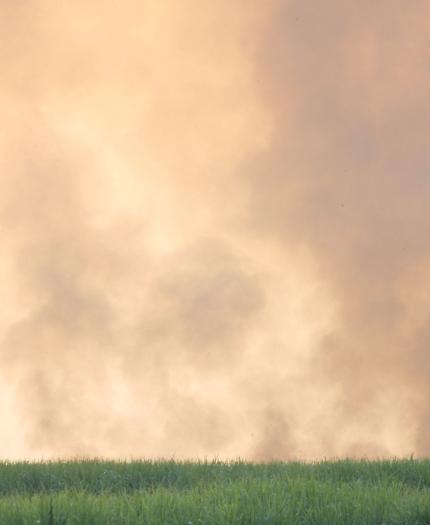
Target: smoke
[346, 176]
[214, 225]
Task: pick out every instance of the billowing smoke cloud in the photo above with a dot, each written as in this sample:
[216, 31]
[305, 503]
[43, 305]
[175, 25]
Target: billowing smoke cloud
[214, 228]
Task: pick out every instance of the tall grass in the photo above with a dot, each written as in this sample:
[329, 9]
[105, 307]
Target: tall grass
[196, 493]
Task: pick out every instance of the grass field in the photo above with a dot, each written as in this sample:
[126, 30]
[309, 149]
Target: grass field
[167, 492]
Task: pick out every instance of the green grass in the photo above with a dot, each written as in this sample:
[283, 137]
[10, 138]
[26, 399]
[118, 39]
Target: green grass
[196, 493]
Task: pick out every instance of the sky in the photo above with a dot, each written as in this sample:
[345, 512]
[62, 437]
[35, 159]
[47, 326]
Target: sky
[214, 229]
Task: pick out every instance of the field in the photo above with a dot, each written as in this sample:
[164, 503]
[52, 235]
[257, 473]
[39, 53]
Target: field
[207, 493]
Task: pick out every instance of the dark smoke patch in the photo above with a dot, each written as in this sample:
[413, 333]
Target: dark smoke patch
[275, 441]
[346, 178]
[212, 300]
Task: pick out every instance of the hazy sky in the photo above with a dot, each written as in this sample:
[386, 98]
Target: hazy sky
[215, 228]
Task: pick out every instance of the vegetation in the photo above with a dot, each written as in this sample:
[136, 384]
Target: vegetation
[208, 493]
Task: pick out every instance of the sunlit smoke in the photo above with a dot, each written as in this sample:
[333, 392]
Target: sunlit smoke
[214, 228]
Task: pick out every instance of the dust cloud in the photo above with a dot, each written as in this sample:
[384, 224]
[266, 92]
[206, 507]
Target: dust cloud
[214, 229]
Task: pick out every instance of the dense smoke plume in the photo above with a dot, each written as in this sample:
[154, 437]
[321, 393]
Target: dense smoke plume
[214, 228]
